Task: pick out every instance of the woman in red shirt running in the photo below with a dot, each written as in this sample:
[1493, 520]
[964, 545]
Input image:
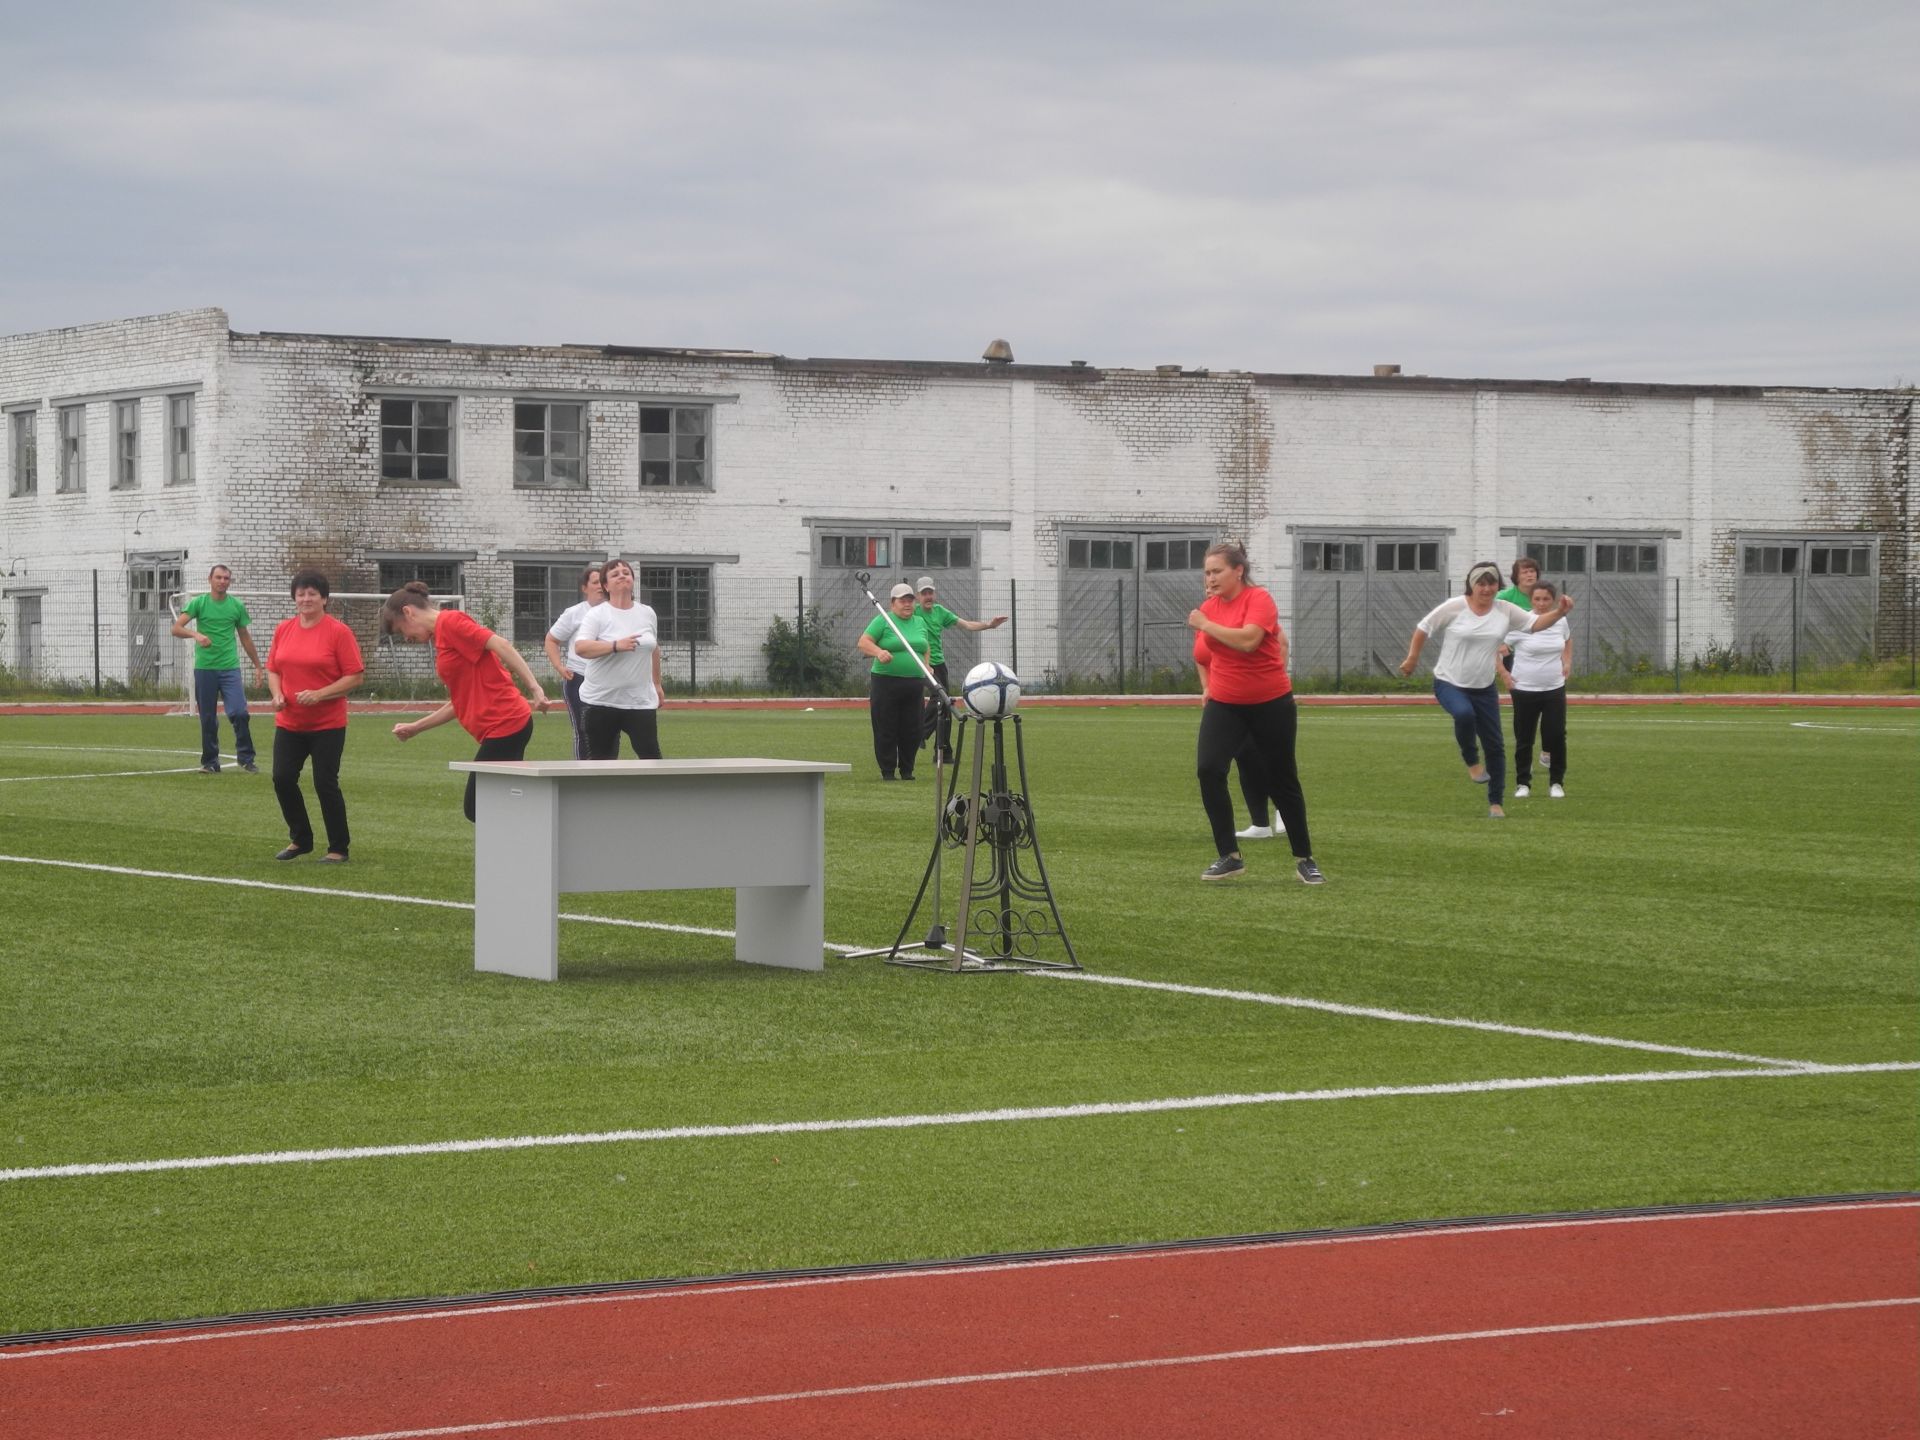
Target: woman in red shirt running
[312, 662]
[1242, 654]
[474, 664]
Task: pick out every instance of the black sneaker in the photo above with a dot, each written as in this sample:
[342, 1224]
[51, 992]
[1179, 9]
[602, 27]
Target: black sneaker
[1309, 872]
[251, 768]
[1225, 868]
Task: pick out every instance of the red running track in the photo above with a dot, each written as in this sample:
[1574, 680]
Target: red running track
[1801, 1321]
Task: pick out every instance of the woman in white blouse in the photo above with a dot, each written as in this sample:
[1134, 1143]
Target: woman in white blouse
[1542, 661]
[1476, 624]
[621, 639]
[567, 662]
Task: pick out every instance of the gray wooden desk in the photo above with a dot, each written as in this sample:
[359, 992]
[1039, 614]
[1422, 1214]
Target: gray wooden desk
[546, 828]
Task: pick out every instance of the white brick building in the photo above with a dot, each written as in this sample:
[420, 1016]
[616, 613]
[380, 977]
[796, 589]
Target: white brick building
[139, 452]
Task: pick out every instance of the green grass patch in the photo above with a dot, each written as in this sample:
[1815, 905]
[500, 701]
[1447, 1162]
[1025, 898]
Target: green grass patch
[1738, 880]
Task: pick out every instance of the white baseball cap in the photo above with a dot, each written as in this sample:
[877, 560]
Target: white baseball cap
[901, 589]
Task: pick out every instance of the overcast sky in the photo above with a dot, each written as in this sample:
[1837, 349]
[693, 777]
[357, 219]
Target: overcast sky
[1705, 192]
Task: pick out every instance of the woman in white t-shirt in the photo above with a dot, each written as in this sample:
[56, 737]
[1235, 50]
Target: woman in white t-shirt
[1542, 661]
[567, 663]
[621, 639]
[1476, 624]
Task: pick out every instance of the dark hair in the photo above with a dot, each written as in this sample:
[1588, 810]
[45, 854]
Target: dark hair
[414, 593]
[1546, 585]
[310, 580]
[618, 560]
[599, 567]
[1480, 565]
[1524, 560]
[227, 568]
[1231, 551]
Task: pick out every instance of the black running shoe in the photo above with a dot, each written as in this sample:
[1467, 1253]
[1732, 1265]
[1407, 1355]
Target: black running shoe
[1309, 872]
[1225, 868]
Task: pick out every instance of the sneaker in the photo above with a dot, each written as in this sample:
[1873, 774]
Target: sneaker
[1256, 832]
[293, 852]
[1521, 792]
[1309, 872]
[251, 768]
[1479, 779]
[1494, 812]
[209, 769]
[1558, 792]
[1225, 868]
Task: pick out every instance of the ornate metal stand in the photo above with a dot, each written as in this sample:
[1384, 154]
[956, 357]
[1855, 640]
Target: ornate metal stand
[1006, 903]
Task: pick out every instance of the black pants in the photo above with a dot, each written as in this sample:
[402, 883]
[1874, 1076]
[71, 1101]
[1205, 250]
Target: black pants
[501, 747]
[1271, 726]
[605, 726]
[938, 722]
[1546, 710]
[291, 750]
[1253, 782]
[893, 705]
[577, 712]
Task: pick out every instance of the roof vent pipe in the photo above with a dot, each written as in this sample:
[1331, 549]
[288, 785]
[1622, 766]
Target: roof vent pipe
[998, 352]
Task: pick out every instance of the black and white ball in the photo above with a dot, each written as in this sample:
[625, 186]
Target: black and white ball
[991, 690]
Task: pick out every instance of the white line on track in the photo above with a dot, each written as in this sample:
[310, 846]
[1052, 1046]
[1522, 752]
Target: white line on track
[694, 1290]
[1110, 1367]
[1368, 1012]
[933, 1120]
[98, 775]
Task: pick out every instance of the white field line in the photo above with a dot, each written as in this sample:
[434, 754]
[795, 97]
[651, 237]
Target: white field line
[1244, 996]
[97, 775]
[935, 1120]
[1111, 1367]
[1368, 1012]
[1908, 731]
[694, 1291]
[6, 749]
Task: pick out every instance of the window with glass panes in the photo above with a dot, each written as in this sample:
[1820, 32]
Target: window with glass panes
[936, 552]
[180, 439]
[1626, 559]
[540, 592]
[1770, 559]
[1839, 560]
[1558, 559]
[1100, 554]
[441, 576]
[682, 598]
[549, 444]
[73, 448]
[675, 443]
[416, 440]
[1176, 555]
[855, 552]
[1333, 555]
[23, 452]
[1404, 557]
[126, 444]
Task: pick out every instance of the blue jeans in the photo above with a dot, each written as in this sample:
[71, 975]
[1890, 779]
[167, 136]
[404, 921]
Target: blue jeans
[223, 686]
[1476, 726]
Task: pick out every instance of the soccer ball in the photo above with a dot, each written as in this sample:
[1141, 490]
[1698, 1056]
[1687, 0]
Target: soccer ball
[991, 690]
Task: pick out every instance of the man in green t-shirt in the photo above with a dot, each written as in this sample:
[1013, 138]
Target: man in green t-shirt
[938, 617]
[217, 624]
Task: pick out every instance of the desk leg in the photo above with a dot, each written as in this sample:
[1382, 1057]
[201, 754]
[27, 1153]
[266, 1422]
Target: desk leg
[781, 925]
[516, 877]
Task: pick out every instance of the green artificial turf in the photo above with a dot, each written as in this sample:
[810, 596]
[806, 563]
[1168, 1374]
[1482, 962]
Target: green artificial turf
[1737, 880]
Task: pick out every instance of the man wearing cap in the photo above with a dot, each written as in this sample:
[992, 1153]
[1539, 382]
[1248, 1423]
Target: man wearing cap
[893, 641]
[938, 617]
[221, 620]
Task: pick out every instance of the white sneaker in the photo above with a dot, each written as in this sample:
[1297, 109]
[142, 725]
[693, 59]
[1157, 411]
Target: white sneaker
[1257, 832]
[1521, 792]
[1557, 792]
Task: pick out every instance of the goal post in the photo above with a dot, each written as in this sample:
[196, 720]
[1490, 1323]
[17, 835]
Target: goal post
[393, 666]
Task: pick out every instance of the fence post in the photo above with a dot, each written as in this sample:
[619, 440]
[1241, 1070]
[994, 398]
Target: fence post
[1013, 620]
[693, 664]
[1339, 667]
[800, 632]
[1676, 634]
[1120, 632]
[1793, 685]
[96, 632]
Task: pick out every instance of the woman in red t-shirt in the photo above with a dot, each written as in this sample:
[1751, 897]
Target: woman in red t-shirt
[1242, 654]
[479, 669]
[312, 662]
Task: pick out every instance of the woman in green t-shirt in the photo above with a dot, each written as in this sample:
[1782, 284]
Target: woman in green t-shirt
[894, 687]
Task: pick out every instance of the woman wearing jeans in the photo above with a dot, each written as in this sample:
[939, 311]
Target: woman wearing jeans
[1476, 624]
[1242, 654]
